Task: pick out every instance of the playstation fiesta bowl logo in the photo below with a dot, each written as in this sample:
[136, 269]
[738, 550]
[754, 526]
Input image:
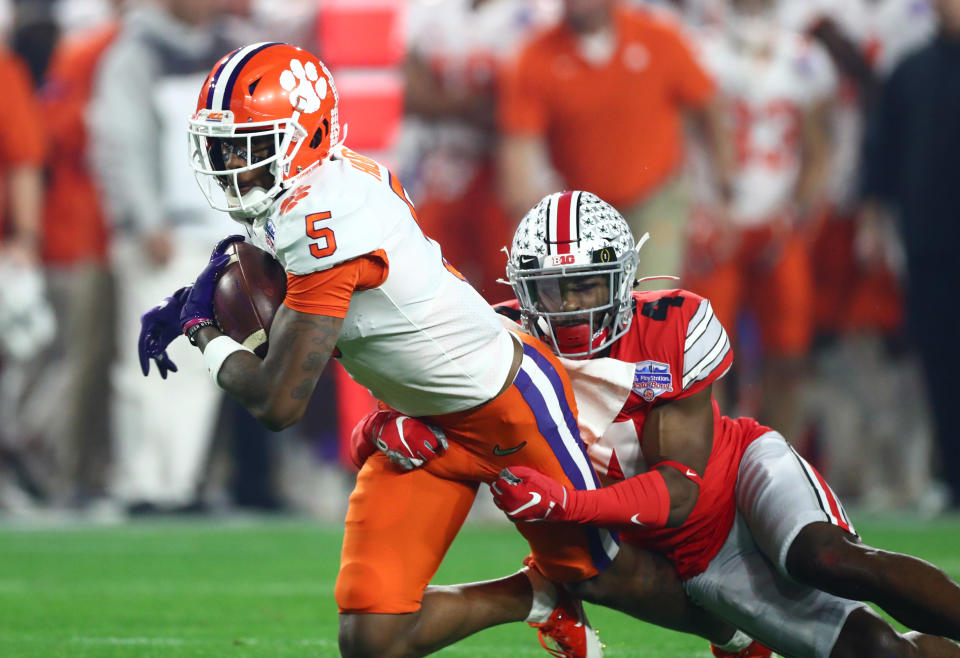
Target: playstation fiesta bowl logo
[652, 379]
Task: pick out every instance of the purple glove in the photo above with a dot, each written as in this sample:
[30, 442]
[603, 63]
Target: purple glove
[158, 327]
[198, 307]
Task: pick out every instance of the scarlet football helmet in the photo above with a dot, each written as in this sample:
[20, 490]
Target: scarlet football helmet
[566, 237]
[271, 93]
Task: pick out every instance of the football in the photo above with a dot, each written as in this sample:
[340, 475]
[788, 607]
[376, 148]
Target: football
[247, 295]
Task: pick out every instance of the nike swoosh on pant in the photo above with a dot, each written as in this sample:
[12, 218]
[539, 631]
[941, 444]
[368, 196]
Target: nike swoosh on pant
[633, 519]
[500, 452]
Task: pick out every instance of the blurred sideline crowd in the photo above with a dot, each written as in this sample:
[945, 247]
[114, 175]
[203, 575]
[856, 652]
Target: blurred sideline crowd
[794, 161]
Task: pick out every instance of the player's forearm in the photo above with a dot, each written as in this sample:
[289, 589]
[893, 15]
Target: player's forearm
[653, 500]
[26, 194]
[642, 500]
[815, 164]
[710, 121]
[241, 376]
[277, 389]
[260, 386]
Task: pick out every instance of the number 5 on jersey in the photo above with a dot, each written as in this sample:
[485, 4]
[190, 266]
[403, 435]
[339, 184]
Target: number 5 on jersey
[324, 233]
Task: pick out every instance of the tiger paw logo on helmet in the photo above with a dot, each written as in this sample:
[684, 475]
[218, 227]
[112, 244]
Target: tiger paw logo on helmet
[271, 91]
[304, 84]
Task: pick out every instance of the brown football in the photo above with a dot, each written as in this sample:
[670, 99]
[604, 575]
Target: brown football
[247, 295]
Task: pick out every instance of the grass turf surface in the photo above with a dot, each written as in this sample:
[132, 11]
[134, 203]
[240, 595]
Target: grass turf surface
[264, 587]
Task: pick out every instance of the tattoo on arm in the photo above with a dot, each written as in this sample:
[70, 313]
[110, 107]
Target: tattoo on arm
[276, 389]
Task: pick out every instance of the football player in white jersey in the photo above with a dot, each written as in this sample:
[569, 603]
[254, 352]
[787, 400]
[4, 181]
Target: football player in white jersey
[366, 286]
[898, 27]
[755, 532]
[455, 50]
[749, 252]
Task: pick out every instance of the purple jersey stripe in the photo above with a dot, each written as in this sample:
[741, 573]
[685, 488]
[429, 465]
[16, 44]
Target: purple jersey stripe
[549, 431]
[554, 377]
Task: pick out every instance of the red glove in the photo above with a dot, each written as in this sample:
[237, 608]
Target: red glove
[528, 495]
[408, 442]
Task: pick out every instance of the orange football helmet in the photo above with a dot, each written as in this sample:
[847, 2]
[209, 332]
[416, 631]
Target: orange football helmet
[265, 92]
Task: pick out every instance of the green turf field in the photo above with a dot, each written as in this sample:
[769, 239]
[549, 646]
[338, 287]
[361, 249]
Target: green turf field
[265, 588]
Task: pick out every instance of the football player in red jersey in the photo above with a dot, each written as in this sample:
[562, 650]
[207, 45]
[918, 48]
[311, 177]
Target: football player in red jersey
[755, 533]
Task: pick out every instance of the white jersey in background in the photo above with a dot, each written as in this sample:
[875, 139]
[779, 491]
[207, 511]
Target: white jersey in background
[898, 27]
[851, 16]
[884, 31]
[854, 19]
[423, 341]
[465, 47]
[764, 97]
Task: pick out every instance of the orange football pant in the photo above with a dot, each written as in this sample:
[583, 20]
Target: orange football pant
[399, 525]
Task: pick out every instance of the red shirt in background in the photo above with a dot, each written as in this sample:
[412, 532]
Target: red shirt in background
[74, 224]
[615, 128]
[22, 131]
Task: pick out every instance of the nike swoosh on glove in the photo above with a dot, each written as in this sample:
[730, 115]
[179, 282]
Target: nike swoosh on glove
[408, 442]
[525, 494]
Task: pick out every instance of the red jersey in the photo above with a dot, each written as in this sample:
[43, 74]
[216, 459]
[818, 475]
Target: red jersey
[679, 348]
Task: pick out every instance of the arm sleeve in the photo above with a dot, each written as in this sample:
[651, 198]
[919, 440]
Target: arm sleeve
[328, 292]
[707, 354]
[639, 500]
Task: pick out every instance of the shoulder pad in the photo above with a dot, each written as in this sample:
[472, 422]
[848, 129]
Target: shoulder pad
[706, 350]
[679, 344]
[325, 221]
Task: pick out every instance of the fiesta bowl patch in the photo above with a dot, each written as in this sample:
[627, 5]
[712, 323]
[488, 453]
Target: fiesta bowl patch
[652, 378]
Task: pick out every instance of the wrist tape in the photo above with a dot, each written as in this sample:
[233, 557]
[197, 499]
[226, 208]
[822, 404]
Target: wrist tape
[217, 351]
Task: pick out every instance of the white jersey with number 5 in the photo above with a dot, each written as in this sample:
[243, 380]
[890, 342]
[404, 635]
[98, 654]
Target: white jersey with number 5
[423, 341]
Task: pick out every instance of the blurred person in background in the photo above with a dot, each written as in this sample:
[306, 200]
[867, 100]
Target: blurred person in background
[75, 263]
[26, 321]
[748, 251]
[454, 55]
[911, 169]
[35, 35]
[897, 28]
[161, 229]
[615, 83]
[867, 389]
[291, 21]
